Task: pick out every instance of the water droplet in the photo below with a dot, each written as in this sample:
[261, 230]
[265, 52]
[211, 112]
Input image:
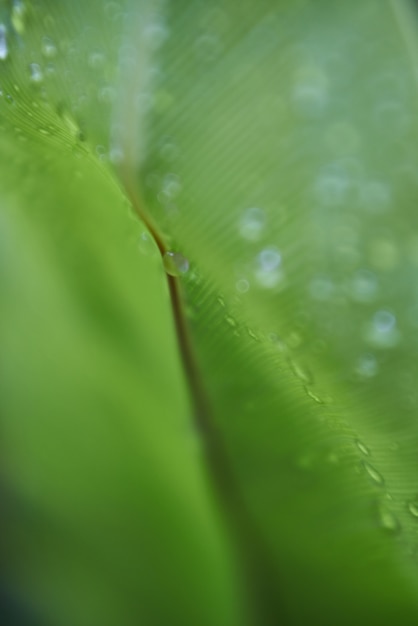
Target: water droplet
[171, 186]
[96, 60]
[36, 75]
[269, 272]
[100, 151]
[387, 519]
[4, 51]
[252, 334]
[230, 321]
[363, 449]
[48, 48]
[208, 47]
[175, 263]
[367, 366]
[106, 95]
[374, 474]
[294, 340]
[392, 118]
[321, 288]
[18, 17]
[155, 34]
[332, 185]
[116, 155]
[382, 331]
[314, 396]
[363, 286]
[375, 196]
[343, 138]
[302, 373]
[242, 285]
[310, 92]
[413, 507]
[252, 224]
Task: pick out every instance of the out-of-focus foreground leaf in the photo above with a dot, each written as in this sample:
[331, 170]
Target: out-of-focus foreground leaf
[275, 146]
[107, 516]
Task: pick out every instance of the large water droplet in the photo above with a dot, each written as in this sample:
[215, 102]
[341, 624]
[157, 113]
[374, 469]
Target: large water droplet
[175, 263]
[4, 51]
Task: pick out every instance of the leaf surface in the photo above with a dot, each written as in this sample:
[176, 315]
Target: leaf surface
[274, 146]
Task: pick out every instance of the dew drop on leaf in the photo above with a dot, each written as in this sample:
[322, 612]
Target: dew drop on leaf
[48, 48]
[363, 287]
[175, 263]
[321, 288]
[363, 448]
[314, 396]
[387, 519]
[302, 373]
[242, 285]
[367, 366]
[18, 17]
[252, 224]
[382, 332]
[36, 75]
[230, 321]
[310, 92]
[252, 334]
[374, 474]
[413, 507]
[4, 51]
[268, 271]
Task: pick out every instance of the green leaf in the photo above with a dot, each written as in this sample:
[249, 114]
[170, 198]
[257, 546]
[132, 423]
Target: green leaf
[106, 497]
[272, 145]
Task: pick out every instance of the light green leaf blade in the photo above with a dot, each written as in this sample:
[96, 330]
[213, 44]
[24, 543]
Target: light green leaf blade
[105, 494]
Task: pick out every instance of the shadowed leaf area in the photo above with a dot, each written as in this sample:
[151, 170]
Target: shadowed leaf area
[208, 313]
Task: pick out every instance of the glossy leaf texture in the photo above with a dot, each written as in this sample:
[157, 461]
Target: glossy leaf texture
[274, 148]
